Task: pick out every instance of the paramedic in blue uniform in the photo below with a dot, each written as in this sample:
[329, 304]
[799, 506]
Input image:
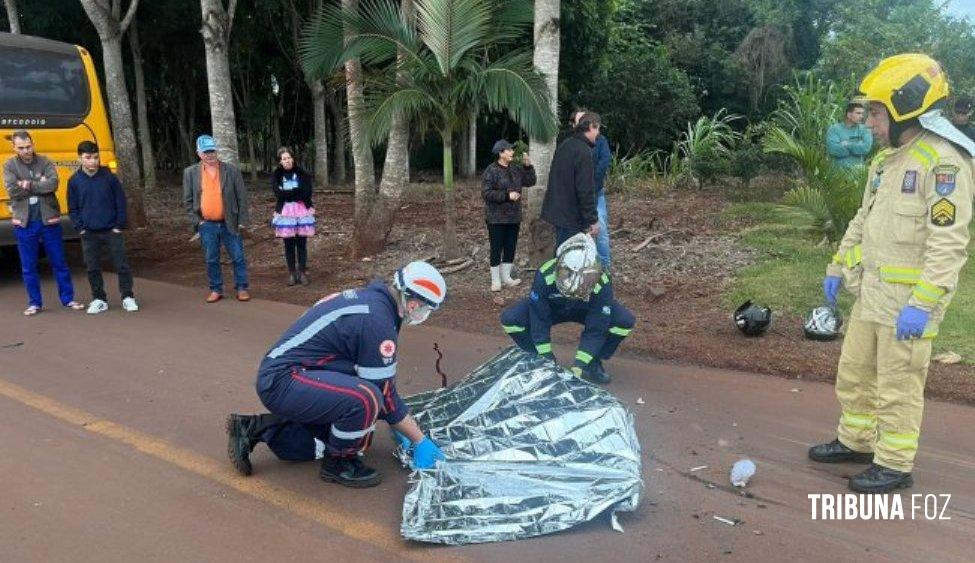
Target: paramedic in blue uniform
[332, 375]
[572, 287]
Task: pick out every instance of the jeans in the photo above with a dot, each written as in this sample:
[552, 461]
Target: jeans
[29, 239]
[602, 240]
[212, 235]
[93, 245]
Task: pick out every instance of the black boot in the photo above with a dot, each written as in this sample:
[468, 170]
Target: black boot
[596, 374]
[302, 277]
[349, 471]
[836, 452]
[880, 479]
[292, 278]
[243, 433]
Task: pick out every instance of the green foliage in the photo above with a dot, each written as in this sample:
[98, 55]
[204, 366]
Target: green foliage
[703, 151]
[827, 196]
[639, 170]
[642, 97]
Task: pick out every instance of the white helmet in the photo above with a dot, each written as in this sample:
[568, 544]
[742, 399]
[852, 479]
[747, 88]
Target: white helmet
[576, 268]
[419, 280]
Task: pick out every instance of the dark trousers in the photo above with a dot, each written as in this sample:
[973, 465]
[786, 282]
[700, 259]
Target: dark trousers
[562, 234]
[516, 322]
[504, 240]
[29, 241]
[338, 409]
[94, 246]
[296, 248]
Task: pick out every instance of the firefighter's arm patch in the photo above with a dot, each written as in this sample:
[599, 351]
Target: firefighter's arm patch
[943, 213]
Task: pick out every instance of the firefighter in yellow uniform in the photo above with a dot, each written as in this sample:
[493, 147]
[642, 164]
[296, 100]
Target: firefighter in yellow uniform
[901, 256]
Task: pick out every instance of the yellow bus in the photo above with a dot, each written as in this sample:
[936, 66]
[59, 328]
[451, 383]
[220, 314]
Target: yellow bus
[50, 89]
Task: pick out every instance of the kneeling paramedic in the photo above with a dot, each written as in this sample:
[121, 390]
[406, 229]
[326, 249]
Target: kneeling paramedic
[571, 288]
[901, 257]
[333, 374]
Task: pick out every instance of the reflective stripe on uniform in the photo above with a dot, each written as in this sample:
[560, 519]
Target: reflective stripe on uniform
[603, 280]
[547, 266]
[620, 331]
[896, 441]
[895, 274]
[858, 420]
[583, 357]
[550, 279]
[925, 154]
[854, 256]
[352, 434]
[384, 372]
[544, 348]
[512, 329]
[927, 292]
[316, 327]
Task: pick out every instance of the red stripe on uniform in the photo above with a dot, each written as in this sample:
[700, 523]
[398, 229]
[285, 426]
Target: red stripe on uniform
[370, 418]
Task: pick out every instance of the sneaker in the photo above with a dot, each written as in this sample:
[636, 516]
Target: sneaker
[243, 295]
[74, 305]
[349, 471]
[97, 306]
[214, 297]
[130, 305]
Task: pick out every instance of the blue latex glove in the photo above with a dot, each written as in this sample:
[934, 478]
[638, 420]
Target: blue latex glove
[425, 454]
[911, 323]
[402, 441]
[831, 286]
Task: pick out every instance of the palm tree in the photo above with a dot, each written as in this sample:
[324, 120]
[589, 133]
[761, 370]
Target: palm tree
[443, 73]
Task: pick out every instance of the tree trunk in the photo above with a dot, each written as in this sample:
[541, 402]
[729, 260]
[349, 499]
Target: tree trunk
[340, 131]
[470, 147]
[546, 60]
[451, 248]
[252, 155]
[365, 173]
[321, 134]
[370, 234]
[145, 137]
[110, 32]
[12, 16]
[217, 23]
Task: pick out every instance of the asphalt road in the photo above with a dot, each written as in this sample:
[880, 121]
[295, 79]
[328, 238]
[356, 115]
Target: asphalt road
[113, 449]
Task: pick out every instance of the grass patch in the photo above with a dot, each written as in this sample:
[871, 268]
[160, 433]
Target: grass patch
[789, 273]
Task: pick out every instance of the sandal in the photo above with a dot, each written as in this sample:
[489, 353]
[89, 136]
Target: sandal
[31, 311]
[74, 305]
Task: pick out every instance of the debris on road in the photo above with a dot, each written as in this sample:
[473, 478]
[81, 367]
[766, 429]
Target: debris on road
[640, 401]
[741, 472]
[698, 468]
[734, 522]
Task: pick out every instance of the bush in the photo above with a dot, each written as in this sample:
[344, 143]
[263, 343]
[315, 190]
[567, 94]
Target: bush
[703, 151]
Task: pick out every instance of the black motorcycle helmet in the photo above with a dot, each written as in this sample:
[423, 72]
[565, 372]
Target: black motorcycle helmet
[753, 320]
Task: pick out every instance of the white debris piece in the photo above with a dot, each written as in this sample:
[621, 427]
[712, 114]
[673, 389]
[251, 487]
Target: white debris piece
[742, 471]
[725, 521]
[640, 401]
[698, 468]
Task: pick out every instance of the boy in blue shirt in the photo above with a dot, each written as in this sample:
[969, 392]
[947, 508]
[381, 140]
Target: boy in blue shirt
[96, 203]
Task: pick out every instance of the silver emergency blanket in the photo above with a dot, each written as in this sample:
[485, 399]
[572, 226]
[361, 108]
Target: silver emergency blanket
[530, 450]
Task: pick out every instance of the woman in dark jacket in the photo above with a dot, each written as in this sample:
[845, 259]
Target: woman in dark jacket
[294, 215]
[502, 186]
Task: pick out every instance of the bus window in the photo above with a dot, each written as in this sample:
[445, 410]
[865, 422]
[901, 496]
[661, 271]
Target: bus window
[39, 83]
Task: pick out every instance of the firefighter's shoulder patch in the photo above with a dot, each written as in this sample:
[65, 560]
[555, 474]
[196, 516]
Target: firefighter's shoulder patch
[943, 213]
[944, 179]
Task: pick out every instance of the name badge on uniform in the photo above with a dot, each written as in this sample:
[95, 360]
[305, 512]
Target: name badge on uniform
[944, 179]
[909, 185]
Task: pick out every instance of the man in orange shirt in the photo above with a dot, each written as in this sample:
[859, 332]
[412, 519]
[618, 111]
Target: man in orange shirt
[216, 202]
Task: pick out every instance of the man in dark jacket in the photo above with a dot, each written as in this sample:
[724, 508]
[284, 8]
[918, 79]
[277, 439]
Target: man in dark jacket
[602, 156]
[215, 198]
[570, 200]
[962, 114]
[96, 203]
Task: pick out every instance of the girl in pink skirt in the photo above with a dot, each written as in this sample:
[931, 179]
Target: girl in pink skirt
[294, 215]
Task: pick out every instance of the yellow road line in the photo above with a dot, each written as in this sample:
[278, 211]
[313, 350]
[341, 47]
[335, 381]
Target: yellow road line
[329, 516]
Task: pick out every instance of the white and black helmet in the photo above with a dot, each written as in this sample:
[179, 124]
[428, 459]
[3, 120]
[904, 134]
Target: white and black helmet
[577, 269]
[823, 323]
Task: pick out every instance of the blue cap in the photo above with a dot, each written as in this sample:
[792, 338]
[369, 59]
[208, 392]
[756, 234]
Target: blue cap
[205, 143]
[501, 146]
